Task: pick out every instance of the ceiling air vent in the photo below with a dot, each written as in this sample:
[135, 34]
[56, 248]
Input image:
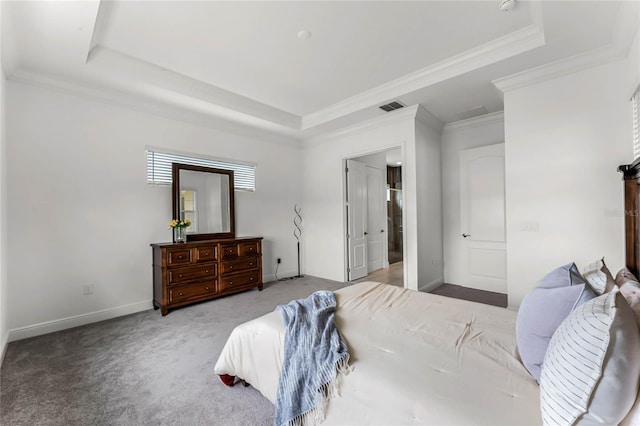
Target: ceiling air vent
[391, 106]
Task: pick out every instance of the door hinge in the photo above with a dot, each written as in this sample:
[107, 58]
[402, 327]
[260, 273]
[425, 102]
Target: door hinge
[348, 269]
[346, 169]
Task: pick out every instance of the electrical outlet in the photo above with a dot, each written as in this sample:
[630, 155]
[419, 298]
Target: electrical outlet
[279, 260]
[87, 289]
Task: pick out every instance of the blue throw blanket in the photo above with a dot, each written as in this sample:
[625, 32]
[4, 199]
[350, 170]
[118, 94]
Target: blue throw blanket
[314, 353]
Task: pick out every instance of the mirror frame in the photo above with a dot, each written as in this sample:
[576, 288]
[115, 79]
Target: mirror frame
[175, 174]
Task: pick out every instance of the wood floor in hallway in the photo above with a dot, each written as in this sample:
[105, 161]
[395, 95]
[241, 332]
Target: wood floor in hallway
[394, 276]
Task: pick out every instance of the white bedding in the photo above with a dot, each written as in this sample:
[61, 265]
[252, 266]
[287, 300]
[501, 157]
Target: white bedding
[417, 358]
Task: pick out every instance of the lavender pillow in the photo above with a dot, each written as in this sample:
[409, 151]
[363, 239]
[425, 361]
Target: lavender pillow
[542, 311]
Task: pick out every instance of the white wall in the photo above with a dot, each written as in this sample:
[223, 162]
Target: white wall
[456, 137]
[564, 140]
[324, 183]
[81, 211]
[428, 215]
[4, 327]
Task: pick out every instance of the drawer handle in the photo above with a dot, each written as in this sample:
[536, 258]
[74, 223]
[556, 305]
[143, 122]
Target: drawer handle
[206, 288]
[251, 264]
[230, 267]
[230, 250]
[206, 271]
[230, 282]
[179, 275]
[206, 253]
[180, 257]
[181, 294]
[251, 279]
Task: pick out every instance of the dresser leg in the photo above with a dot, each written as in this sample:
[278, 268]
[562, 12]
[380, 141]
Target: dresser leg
[260, 287]
[156, 306]
[164, 310]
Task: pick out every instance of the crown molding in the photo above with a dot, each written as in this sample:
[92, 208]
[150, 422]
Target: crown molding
[139, 103]
[138, 76]
[470, 123]
[504, 47]
[425, 116]
[559, 68]
[406, 113]
[100, 22]
[622, 39]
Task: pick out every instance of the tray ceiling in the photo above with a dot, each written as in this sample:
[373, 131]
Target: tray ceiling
[243, 61]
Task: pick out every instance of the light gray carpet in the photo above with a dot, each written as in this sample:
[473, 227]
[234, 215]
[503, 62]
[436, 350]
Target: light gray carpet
[142, 369]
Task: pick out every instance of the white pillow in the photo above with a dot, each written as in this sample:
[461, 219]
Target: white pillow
[599, 277]
[591, 369]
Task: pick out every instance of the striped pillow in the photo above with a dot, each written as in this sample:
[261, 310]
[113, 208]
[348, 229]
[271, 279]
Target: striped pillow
[599, 277]
[591, 369]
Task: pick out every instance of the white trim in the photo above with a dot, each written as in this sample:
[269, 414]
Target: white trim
[623, 36]
[580, 62]
[432, 285]
[388, 117]
[76, 321]
[4, 345]
[504, 47]
[269, 279]
[425, 116]
[469, 123]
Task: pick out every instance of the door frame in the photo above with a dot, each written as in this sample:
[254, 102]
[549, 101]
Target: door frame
[345, 228]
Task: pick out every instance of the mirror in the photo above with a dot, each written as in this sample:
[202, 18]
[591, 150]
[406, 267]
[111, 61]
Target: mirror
[204, 195]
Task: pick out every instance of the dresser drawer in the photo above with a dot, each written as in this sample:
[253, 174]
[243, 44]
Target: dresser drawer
[248, 249]
[240, 280]
[191, 291]
[178, 257]
[244, 264]
[182, 275]
[229, 251]
[206, 254]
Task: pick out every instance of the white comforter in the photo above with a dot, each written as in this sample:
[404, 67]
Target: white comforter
[417, 358]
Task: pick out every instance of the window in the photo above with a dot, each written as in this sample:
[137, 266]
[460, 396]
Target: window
[159, 168]
[188, 208]
[636, 123]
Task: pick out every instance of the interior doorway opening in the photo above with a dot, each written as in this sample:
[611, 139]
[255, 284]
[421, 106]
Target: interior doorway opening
[394, 213]
[373, 210]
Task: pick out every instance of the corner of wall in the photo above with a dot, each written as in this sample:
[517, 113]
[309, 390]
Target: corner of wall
[4, 335]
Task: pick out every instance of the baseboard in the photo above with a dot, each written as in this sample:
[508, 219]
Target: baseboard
[76, 321]
[430, 286]
[281, 275]
[4, 344]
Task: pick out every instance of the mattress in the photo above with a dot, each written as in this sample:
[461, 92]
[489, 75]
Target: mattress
[417, 358]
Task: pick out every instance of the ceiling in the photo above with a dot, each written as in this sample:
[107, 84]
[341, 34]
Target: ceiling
[243, 62]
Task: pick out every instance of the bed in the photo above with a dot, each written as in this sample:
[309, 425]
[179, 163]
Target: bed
[466, 350]
[420, 358]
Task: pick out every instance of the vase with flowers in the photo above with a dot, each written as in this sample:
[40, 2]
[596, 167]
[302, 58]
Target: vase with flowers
[179, 227]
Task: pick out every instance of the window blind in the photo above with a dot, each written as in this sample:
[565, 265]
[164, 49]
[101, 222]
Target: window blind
[636, 123]
[159, 168]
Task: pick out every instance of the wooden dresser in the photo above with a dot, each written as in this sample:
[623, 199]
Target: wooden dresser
[191, 272]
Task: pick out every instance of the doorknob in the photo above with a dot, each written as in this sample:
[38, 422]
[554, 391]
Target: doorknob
[382, 230]
[466, 235]
[366, 233]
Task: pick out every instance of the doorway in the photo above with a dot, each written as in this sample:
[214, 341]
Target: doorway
[373, 206]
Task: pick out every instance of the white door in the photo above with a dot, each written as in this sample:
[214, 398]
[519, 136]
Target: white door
[356, 220]
[482, 212]
[376, 219]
